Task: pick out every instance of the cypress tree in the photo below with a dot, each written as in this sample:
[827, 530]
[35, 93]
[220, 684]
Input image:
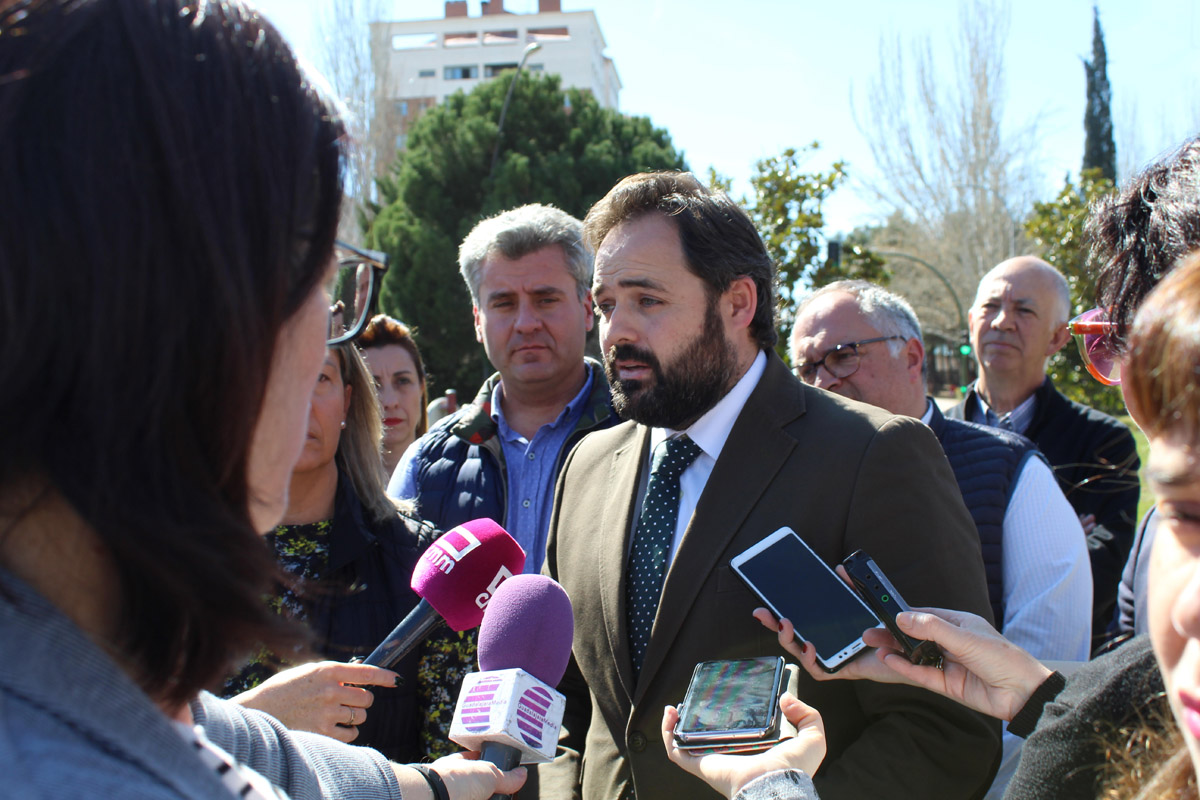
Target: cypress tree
[1099, 151]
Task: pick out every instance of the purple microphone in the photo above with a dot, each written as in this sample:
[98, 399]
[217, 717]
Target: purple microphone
[510, 711]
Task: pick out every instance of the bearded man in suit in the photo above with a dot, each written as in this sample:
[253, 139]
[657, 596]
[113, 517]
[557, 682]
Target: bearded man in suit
[722, 447]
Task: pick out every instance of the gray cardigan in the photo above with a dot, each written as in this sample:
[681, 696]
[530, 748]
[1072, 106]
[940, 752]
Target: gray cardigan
[72, 724]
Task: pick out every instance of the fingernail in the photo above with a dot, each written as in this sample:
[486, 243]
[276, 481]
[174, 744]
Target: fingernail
[399, 681]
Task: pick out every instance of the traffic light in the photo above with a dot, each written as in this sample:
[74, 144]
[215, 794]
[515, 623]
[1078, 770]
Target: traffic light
[965, 349]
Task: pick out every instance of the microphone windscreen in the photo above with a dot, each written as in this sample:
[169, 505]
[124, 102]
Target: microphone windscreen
[528, 625]
[459, 572]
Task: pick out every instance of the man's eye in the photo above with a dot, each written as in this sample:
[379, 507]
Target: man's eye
[649, 301]
[604, 309]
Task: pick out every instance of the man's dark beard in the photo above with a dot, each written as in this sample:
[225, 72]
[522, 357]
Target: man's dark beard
[689, 386]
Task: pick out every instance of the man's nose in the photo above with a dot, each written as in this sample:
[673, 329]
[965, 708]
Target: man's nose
[616, 328]
[528, 318]
[822, 378]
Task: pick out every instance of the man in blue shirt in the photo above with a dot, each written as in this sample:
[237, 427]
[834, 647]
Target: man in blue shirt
[529, 275]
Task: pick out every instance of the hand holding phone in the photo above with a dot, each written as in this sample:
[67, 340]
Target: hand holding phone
[797, 585]
[885, 602]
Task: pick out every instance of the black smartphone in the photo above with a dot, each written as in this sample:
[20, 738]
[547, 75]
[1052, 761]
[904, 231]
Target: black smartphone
[796, 584]
[732, 701]
[879, 593]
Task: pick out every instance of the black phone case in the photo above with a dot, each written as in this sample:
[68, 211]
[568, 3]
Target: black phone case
[885, 602]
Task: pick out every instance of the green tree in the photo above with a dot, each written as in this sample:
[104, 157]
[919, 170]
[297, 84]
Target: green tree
[558, 147]
[786, 207]
[1056, 229]
[1099, 150]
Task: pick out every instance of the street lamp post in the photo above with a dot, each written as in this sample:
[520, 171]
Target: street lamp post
[529, 48]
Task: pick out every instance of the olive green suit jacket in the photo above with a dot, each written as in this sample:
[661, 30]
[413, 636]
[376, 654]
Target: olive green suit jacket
[844, 476]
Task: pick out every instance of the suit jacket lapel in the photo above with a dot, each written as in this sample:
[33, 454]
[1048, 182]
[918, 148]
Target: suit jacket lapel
[612, 550]
[755, 451]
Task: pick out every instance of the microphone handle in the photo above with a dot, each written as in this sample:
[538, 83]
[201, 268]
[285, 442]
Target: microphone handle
[504, 756]
[419, 623]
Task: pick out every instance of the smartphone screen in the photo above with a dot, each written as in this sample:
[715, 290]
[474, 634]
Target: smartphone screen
[797, 585]
[731, 699]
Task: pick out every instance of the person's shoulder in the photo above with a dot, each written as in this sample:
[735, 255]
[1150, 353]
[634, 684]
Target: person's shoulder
[973, 430]
[605, 440]
[1092, 416]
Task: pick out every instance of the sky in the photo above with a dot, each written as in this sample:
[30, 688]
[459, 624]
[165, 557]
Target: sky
[735, 81]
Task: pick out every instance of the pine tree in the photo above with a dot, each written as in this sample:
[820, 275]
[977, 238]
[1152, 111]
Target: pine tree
[1099, 151]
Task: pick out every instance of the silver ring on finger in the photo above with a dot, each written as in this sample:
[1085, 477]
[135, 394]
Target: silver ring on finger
[353, 717]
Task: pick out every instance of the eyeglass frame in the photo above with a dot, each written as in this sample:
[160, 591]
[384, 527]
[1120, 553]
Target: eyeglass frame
[798, 369]
[1080, 327]
[377, 260]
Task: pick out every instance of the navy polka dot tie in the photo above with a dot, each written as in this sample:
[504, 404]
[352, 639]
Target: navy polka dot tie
[652, 540]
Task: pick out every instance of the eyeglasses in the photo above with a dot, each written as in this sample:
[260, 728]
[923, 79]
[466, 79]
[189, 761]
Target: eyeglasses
[841, 362]
[355, 291]
[1094, 335]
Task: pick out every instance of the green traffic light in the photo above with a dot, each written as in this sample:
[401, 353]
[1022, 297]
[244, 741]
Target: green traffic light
[964, 349]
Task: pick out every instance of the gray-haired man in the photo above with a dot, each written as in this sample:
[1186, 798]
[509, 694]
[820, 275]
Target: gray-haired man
[530, 276]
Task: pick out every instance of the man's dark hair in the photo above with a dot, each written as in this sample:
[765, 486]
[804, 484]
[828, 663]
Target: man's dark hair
[172, 185]
[719, 241]
[1139, 233]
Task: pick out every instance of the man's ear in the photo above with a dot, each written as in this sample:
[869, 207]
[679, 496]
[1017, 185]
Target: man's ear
[740, 302]
[589, 310]
[478, 323]
[914, 357]
[1061, 337]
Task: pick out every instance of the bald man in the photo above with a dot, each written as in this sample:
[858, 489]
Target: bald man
[1017, 322]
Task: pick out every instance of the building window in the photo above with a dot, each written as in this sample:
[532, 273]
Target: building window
[413, 41]
[401, 140]
[536, 67]
[402, 107]
[461, 39]
[500, 37]
[492, 70]
[560, 34]
[461, 73]
[427, 73]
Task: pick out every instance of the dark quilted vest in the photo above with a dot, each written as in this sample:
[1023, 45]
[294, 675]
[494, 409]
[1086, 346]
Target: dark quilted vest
[461, 473]
[986, 462]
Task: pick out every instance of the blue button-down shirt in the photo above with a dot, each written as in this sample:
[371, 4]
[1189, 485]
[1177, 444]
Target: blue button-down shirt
[530, 466]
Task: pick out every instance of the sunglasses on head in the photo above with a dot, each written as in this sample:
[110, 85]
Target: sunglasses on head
[1094, 334]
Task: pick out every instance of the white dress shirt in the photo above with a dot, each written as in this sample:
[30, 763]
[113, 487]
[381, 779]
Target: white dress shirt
[1046, 571]
[710, 433]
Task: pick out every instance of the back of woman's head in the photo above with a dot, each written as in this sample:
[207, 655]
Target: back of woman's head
[359, 447]
[171, 192]
[1140, 232]
[1163, 374]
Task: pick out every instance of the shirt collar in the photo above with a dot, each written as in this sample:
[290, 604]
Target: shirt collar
[572, 408]
[713, 428]
[928, 415]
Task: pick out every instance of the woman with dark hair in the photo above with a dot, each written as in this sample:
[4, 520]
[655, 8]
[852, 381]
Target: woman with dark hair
[399, 375]
[172, 183]
[352, 552]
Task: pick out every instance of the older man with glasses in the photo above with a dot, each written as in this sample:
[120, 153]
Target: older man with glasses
[860, 341]
[1017, 322]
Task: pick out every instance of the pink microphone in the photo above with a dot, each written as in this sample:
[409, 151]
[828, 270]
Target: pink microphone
[455, 578]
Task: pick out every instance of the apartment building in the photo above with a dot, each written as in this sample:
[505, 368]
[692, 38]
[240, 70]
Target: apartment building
[418, 63]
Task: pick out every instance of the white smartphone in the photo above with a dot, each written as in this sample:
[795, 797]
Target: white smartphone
[796, 584]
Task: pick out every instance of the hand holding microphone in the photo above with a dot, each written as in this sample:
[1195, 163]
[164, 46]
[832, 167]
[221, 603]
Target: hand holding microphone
[455, 578]
[510, 710]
